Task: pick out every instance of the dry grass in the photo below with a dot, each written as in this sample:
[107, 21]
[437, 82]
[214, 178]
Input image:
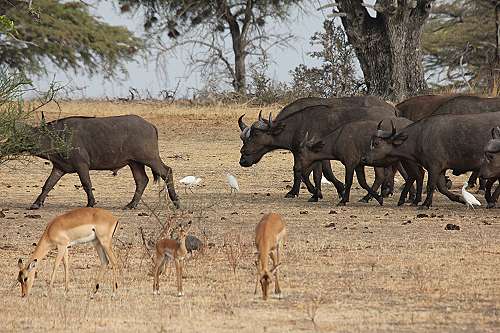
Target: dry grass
[370, 273]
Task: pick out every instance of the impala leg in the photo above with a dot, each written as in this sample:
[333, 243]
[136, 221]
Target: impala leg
[159, 264]
[66, 270]
[60, 254]
[114, 263]
[258, 276]
[178, 272]
[104, 263]
[275, 259]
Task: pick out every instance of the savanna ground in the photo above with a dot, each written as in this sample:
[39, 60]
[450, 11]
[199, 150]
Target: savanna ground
[377, 269]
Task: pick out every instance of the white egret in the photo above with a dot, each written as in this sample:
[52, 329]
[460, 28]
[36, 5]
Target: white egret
[233, 182]
[190, 182]
[469, 198]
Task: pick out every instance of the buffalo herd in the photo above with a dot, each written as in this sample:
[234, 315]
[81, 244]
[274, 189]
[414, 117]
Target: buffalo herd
[430, 133]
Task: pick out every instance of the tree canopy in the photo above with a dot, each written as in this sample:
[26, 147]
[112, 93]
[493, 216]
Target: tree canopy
[66, 34]
[209, 25]
[459, 43]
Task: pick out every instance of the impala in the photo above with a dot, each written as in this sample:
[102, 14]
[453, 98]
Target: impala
[79, 226]
[167, 249]
[269, 238]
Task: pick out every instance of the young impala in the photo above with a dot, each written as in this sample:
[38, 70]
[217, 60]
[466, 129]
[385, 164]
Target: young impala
[81, 225]
[167, 249]
[269, 238]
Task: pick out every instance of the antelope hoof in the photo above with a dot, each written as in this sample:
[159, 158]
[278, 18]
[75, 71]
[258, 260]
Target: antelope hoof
[180, 294]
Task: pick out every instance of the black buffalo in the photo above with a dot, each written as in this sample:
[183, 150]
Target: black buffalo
[490, 166]
[108, 143]
[439, 143]
[288, 129]
[348, 144]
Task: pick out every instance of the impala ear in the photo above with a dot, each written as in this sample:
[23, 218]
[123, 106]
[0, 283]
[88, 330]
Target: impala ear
[20, 263]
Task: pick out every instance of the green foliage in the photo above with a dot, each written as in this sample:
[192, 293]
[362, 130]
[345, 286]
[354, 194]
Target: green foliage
[66, 34]
[6, 25]
[18, 138]
[336, 76]
[459, 43]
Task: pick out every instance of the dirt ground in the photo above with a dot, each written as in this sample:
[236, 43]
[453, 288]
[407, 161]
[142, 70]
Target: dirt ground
[359, 268]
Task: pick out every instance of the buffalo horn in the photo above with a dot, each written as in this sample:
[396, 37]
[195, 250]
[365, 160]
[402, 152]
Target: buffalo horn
[393, 128]
[260, 116]
[379, 126]
[241, 123]
[270, 119]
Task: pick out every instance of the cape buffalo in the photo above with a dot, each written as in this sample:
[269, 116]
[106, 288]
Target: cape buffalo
[108, 143]
[439, 143]
[287, 130]
[419, 107]
[490, 166]
[348, 144]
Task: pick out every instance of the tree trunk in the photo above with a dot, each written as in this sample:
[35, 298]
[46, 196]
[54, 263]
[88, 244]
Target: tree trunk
[388, 46]
[239, 83]
[495, 68]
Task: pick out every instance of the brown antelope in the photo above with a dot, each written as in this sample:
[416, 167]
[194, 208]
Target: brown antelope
[269, 237]
[167, 249]
[81, 225]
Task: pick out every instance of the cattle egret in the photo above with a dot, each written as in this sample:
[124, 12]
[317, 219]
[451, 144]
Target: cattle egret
[190, 182]
[469, 198]
[233, 182]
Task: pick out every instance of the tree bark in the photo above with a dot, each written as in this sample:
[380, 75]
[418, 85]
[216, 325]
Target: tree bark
[495, 75]
[388, 46]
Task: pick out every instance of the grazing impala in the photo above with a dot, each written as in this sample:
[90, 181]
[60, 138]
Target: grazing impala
[167, 249]
[269, 237]
[81, 225]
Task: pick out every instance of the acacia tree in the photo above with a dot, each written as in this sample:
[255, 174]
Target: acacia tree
[460, 44]
[208, 25]
[387, 45]
[64, 33]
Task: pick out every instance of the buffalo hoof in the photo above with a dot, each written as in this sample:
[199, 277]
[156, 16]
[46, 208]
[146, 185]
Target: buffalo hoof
[386, 192]
[177, 204]
[341, 203]
[380, 201]
[423, 207]
[365, 199]
[291, 195]
[490, 205]
[35, 206]
[401, 202]
[320, 196]
[314, 198]
[130, 206]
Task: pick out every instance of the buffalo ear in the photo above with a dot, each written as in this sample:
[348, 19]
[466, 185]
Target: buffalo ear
[495, 132]
[316, 147]
[277, 128]
[398, 139]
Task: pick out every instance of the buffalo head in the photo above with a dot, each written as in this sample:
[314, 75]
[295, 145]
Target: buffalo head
[382, 144]
[310, 150]
[258, 139]
[490, 166]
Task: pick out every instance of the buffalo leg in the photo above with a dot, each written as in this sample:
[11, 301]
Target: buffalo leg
[315, 168]
[167, 175]
[388, 184]
[444, 190]
[54, 177]
[487, 192]
[379, 178]
[317, 175]
[297, 177]
[472, 179]
[83, 173]
[433, 175]
[402, 171]
[327, 171]
[349, 174]
[141, 181]
[360, 174]
[413, 173]
[495, 196]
